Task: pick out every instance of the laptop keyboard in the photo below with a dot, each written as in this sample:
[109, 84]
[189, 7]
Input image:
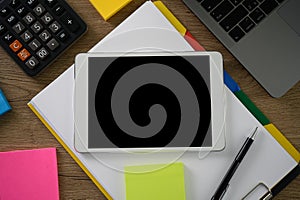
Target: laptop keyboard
[239, 17]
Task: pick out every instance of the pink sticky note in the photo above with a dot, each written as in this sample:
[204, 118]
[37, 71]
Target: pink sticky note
[29, 175]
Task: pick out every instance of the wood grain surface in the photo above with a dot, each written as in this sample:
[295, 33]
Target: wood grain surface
[21, 129]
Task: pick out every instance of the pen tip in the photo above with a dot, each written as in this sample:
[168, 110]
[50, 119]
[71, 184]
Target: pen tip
[253, 135]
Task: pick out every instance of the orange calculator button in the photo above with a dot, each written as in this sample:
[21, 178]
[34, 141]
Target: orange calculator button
[15, 46]
[24, 54]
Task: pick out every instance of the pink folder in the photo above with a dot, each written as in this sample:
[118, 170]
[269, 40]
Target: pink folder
[29, 174]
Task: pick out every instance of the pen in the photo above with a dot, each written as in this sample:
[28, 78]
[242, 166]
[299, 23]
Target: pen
[237, 160]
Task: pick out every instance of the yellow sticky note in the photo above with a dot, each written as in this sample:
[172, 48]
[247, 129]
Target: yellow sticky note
[107, 8]
[159, 182]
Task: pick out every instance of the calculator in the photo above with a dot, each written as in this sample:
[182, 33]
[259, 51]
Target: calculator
[35, 32]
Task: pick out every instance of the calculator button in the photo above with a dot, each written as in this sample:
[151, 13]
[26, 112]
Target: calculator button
[8, 38]
[47, 18]
[52, 44]
[24, 54]
[15, 46]
[31, 3]
[55, 26]
[29, 18]
[51, 3]
[4, 12]
[14, 3]
[22, 11]
[58, 10]
[34, 44]
[12, 19]
[32, 62]
[18, 28]
[63, 36]
[37, 27]
[45, 36]
[69, 22]
[42, 53]
[2, 29]
[26, 36]
[39, 10]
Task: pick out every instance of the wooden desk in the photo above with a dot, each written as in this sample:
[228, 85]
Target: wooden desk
[21, 129]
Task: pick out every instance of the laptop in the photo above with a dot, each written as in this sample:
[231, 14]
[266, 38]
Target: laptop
[264, 35]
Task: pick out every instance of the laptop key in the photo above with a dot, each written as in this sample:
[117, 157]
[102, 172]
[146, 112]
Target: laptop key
[236, 33]
[247, 24]
[257, 15]
[221, 10]
[208, 5]
[250, 4]
[268, 6]
[236, 2]
[280, 1]
[233, 18]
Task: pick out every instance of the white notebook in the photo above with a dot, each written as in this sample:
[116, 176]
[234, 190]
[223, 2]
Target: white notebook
[148, 29]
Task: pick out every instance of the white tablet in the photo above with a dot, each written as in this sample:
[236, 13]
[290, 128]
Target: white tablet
[149, 101]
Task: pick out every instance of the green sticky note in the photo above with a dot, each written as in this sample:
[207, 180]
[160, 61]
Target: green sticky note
[159, 182]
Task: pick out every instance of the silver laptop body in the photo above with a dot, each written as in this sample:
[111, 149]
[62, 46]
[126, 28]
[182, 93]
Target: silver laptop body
[270, 51]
